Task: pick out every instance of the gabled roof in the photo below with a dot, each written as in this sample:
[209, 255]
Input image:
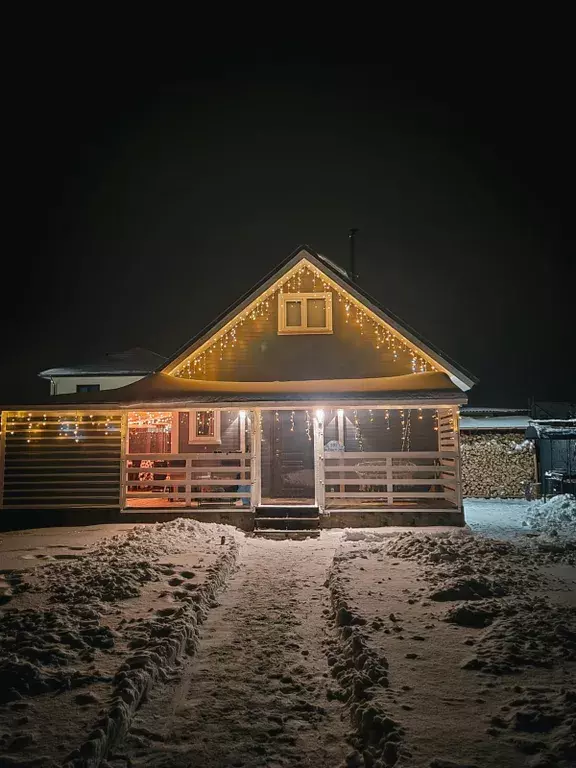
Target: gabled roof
[133, 362]
[335, 274]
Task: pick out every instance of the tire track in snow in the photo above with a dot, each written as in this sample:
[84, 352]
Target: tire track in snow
[256, 693]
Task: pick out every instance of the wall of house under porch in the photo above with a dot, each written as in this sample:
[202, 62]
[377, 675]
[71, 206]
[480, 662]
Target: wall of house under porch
[229, 434]
[382, 429]
[60, 467]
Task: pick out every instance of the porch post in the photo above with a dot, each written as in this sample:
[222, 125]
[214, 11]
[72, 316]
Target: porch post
[319, 479]
[256, 460]
[124, 437]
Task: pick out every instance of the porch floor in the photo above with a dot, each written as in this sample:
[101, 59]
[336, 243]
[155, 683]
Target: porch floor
[368, 504]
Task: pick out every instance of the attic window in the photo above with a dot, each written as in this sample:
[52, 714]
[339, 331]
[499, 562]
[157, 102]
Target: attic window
[205, 427]
[304, 313]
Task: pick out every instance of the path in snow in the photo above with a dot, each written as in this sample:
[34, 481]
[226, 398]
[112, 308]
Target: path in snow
[255, 693]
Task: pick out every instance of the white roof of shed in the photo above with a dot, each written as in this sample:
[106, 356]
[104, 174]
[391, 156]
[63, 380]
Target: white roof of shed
[494, 422]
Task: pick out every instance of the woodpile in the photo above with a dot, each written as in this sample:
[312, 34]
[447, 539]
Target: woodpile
[497, 465]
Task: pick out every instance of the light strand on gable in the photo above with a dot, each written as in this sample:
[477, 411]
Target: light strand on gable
[227, 339]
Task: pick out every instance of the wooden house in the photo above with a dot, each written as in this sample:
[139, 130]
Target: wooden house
[304, 405]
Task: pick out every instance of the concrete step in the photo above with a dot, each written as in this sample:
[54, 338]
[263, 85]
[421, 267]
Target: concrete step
[270, 534]
[291, 512]
[286, 523]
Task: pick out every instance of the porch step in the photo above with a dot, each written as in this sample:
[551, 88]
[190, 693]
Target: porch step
[298, 510]
[272, 534]
[296, 518]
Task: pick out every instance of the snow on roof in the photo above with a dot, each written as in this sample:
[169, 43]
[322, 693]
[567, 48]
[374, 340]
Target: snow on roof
[132, 362]
[552, 429]
[333, 265]
[472, 410]
[493, 422]
[162, 389]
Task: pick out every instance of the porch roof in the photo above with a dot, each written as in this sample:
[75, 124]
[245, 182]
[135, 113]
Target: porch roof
[160, 389]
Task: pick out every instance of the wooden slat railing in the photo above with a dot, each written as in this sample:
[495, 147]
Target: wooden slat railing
[188, 477]
[387, 476]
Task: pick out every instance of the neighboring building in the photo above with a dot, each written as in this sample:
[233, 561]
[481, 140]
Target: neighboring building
[109, 372]
[306, 404]
[497, 460]
[555, 441]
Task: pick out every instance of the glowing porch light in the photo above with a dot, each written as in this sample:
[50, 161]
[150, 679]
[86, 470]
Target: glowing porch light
[242, 414]
[340, 412]
[320, 415]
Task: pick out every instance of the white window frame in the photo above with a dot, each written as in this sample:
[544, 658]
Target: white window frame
[194, 438]
[284, 329]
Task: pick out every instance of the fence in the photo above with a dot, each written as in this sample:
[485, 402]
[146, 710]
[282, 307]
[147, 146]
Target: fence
[191, 478]
[391, 476]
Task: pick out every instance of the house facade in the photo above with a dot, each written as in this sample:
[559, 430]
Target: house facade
[305, 405]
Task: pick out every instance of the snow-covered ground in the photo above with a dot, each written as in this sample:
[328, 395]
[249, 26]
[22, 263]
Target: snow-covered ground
[510, 518]
[185, 644]
[95, 630]
[499, 518]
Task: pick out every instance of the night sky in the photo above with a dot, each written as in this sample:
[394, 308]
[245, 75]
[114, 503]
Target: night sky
[146, 202]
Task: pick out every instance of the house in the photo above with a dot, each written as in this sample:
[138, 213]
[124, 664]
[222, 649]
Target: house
[304, 405]
[109, 372]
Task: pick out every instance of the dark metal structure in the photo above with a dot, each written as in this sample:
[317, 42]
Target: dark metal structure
[556, 452]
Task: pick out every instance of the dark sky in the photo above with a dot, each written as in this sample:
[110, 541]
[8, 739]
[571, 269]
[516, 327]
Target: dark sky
[145, 201]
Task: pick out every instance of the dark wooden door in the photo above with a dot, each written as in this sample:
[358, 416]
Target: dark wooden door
[291, 456]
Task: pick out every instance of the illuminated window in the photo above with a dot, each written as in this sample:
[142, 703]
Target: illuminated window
[304, 313]
[205, 427]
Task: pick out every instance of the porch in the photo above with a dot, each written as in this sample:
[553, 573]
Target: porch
[351, 461]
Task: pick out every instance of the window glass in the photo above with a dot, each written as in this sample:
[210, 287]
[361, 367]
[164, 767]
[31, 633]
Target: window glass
[87, 387]
[205, 423]
[293, 313]
[316, 313]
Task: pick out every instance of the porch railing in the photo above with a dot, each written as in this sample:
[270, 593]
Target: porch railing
[391, 476]
[192, 478]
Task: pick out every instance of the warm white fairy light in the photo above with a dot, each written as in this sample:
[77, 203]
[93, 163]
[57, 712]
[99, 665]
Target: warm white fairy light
[35, 427]
[226, 339]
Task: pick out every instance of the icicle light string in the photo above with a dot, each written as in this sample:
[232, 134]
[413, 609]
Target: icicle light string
[75, 426]
[308, 433]
[227, 339]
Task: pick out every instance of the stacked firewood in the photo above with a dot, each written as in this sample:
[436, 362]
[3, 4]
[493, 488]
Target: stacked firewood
[497, 465]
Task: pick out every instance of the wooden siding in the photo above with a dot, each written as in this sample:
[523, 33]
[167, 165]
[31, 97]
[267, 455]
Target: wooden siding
[229, 434]
[381, 430]
[260, 354]
[61, 460]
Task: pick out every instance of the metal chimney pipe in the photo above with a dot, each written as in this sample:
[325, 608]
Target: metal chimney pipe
[352, 239]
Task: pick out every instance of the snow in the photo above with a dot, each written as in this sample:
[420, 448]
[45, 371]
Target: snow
[114, 620]
[185, 643]
[556, 516]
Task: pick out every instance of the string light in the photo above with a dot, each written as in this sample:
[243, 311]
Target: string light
[226, 340]
[357, 431]
[33, 427]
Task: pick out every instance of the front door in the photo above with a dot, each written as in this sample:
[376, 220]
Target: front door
[287, 457]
